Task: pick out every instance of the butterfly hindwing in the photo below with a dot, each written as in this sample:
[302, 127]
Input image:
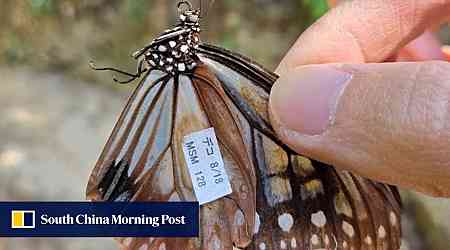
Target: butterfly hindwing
[303, 204]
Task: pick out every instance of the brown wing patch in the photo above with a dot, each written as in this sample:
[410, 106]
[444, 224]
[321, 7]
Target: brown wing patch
[237, 161]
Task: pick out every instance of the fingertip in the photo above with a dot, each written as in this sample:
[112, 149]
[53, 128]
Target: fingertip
[336, 37]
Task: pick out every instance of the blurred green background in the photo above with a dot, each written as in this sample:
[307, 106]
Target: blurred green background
[57, 113]
[63, 35]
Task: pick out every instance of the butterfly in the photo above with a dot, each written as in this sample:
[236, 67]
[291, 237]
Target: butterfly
[280, 199]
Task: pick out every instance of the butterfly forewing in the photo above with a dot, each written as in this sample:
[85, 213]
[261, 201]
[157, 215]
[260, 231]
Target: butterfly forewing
[118, 150]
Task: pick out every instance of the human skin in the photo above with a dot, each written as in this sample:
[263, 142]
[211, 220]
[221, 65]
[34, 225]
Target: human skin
[336, 102]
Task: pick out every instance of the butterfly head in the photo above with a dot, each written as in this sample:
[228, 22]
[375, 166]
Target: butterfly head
[174, 51]
[189, 17]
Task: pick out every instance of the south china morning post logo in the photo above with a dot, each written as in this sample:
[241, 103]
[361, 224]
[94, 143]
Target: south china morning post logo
[99, 219]
[115, 219]
[23, 219]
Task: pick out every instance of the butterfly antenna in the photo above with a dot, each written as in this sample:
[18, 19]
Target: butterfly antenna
[132, 76]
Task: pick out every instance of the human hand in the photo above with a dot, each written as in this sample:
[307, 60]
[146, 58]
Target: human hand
[386, 121]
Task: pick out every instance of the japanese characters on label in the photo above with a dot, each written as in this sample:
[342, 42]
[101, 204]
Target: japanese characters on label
[206, 167]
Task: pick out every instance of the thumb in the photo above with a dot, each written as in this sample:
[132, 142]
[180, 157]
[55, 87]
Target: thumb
[389, 122]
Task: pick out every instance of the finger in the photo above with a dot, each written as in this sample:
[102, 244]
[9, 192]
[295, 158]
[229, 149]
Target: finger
[364, 31]
[389, 122]
[423, 48]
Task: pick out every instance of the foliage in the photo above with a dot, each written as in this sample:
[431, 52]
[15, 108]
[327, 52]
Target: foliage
[316, 8]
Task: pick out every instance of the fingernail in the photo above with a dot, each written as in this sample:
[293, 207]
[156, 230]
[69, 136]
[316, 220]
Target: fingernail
[305, 99]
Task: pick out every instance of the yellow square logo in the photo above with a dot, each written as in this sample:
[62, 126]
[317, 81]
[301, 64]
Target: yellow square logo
[22, 219]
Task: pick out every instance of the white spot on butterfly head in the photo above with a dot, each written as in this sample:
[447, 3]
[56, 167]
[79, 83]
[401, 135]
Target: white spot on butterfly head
[285, 221]
[283, 244]
[319, 219]
[162, 48]
[348, 229]
[169, 68]
[172, 44]
[314, 239]
[393, 218]
[181, 67]
[293, 243]
[257, 223]
[262, 246]
[184, 48]
[381, 232]
[368, 240]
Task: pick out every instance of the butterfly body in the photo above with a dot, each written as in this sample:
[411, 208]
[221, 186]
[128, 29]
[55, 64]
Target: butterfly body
[280, 200]
[173, 51]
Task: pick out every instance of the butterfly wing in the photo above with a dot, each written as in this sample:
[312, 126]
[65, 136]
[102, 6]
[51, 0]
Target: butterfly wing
[137, 162]
[143, 159]
[125, 148]
[301, 204]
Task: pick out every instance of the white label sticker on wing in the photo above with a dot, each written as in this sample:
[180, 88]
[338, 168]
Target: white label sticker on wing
[206, 167]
